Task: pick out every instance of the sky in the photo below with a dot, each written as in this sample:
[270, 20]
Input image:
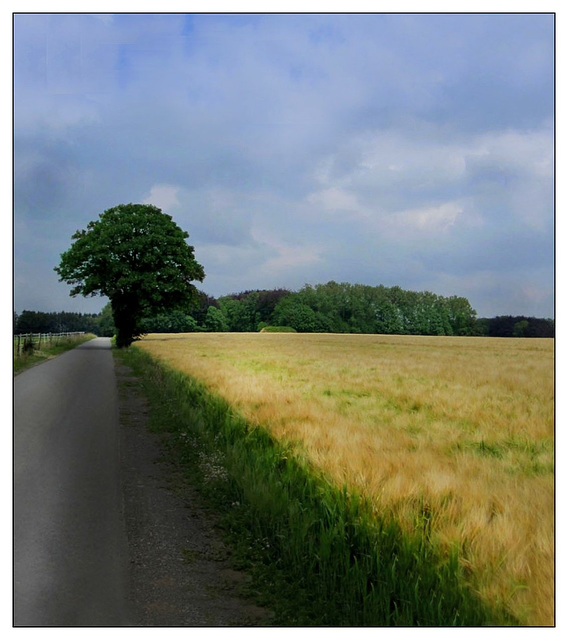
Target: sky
[396, 149]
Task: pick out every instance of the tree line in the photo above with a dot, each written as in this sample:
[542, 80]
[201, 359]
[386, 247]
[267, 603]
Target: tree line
[101, 324]
[329, 308]
[348, 308]
[515, 327]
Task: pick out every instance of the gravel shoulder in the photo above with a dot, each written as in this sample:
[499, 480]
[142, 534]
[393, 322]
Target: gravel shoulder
[181, 573]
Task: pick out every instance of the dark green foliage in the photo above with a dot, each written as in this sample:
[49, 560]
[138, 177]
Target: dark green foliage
[318, 555]
[293, 313]
[28, 346]
[247, 310]
[520, 328]
[337, 308]
[100, 324]
[263, 301]
[344, 308]
[199, 311]
[56, 322]
[267, 301]
[173, 322]
[215, 320]
[515, 327]
[460, 316]
[105, 321]
[136, 256]
[240, 315]
[356, 308]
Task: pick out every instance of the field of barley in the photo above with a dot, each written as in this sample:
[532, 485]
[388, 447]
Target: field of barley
[457, 431]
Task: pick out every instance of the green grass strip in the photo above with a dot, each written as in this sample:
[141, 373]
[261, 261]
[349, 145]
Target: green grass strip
[317, 554]
[26, 360]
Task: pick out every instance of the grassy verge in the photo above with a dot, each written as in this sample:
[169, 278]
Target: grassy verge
[26, 360]
[317, 555]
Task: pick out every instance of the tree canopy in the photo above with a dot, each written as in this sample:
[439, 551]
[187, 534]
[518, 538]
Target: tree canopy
[138, 257]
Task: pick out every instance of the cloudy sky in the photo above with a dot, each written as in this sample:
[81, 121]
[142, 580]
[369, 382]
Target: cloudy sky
[410, 150]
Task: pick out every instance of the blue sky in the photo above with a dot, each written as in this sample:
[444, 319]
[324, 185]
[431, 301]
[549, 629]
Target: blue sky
[411, 150]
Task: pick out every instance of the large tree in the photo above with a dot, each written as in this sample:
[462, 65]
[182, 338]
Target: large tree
[137, 257]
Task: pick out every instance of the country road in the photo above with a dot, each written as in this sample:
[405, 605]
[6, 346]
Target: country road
[100, 537]
[70, 545]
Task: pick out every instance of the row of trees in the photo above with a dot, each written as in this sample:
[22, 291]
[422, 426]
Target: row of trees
[345, 308]
[101, 324]
[328, 308]
[515, 327]
[331, 307]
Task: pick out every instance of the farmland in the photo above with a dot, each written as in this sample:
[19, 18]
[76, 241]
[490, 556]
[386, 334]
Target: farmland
[455, 432]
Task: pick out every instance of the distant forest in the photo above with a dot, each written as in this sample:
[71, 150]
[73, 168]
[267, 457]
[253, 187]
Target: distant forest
[328, 308]
[101, 324]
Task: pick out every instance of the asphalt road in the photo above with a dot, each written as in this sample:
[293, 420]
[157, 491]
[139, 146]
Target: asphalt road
[70, 545]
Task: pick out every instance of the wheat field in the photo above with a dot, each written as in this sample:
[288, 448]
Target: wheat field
[457, 431]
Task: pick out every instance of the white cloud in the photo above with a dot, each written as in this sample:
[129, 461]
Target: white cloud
[289, 258]
[515, 168]
[163, 196]
[284, 257]
[382, 173]
[428, 219]
[214, 216]
[334, 199]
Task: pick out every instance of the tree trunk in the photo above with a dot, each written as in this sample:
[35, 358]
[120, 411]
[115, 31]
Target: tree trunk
[125, 314]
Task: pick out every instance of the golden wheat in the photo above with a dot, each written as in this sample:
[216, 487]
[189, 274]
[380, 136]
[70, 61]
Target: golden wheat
[460, 427]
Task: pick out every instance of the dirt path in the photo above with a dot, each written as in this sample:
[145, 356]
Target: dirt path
[181, 572]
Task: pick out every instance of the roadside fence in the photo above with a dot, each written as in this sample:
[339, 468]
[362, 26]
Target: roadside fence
[24, 342]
